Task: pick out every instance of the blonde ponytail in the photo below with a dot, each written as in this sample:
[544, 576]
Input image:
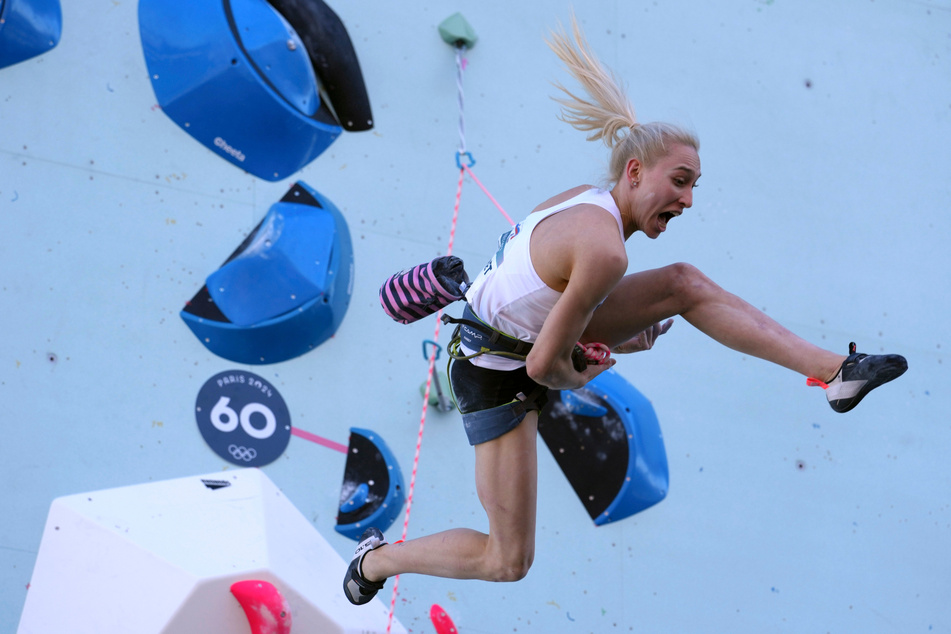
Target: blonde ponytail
[608, 114]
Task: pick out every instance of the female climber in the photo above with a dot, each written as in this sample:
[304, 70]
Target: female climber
[558, 282]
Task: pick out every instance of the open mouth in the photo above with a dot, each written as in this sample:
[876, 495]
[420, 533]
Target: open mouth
[665, 217]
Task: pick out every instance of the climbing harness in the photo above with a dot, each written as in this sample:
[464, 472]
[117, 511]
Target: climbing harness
[475, 334]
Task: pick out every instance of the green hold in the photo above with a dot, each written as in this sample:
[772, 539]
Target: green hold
[455, 30]
[433, 391]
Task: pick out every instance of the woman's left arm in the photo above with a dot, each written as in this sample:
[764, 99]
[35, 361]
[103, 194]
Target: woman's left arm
[596, 262]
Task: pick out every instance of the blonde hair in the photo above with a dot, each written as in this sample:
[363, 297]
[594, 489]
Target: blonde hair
[608, 114]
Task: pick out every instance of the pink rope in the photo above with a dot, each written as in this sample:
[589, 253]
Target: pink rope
[320, 440]
[422, 419]
[455, 216]
[482, 187]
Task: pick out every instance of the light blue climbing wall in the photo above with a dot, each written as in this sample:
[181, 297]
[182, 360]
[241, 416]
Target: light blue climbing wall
[825, 130]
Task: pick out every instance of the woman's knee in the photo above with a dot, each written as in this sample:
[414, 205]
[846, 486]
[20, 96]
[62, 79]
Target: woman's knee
[688, 283]
[511, 566]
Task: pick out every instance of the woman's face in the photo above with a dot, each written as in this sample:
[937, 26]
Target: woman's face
[665, 189]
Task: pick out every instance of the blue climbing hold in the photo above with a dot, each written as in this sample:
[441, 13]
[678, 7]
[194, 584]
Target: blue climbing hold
[357, 499]
[372, 493]
[243, 81]
[28, 28]
[286, 288]
[581, 404]
[283, 267]
[607, 440]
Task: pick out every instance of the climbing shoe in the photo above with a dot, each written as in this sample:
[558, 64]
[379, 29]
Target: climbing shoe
[357, 588]
[859, 375]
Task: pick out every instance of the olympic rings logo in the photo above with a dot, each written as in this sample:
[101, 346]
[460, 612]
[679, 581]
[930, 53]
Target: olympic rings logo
[242, 453]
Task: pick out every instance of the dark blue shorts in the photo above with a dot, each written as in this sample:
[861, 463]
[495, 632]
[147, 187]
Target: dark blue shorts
[493, 402]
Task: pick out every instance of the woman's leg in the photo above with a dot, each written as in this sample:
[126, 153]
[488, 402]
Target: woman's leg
[507, 484]
[643, 299]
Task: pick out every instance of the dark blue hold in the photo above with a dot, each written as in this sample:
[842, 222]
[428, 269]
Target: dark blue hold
[28, 28]
[579, 404]
[243, 80]
[286, 288]
[607, 440]
[357, 500]
[372, 493]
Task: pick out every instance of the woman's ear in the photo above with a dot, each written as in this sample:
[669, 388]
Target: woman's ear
[633, 171]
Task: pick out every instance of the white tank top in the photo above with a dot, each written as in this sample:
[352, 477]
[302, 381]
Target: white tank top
[508, 294]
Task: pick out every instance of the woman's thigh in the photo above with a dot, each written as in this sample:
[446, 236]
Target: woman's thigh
[507, 485]
[641, 300]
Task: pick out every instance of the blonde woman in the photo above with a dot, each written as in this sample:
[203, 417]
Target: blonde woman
[559, 279]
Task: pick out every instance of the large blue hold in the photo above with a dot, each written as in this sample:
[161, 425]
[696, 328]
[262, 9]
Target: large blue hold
[28, 28]
[241, 79]
[286, 288]
[607, 441]
[372, 493]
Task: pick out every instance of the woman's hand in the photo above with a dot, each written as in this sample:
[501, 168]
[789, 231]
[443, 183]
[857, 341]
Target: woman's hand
[643, 340]
[595, 369]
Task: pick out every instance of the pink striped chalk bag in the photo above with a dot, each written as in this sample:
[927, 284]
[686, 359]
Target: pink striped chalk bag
[423, 290]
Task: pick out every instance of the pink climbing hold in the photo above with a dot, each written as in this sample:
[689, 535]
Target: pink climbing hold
[441, 621]
[265, 607]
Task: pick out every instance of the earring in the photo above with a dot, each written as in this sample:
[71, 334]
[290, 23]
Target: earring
[633, 183]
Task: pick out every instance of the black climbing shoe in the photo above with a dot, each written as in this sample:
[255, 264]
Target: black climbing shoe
[357, 588]
[859, 375]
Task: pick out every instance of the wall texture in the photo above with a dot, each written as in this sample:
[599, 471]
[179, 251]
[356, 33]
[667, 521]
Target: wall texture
[825, 129]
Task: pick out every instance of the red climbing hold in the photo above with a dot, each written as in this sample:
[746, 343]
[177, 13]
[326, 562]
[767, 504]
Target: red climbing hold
[265, 607]
[441, 621]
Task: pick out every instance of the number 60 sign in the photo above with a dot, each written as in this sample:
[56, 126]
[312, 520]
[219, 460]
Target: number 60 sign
[243, 418]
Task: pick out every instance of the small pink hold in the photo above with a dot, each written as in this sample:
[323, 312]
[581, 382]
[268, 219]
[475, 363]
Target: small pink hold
[267, 610]
[441, 621]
